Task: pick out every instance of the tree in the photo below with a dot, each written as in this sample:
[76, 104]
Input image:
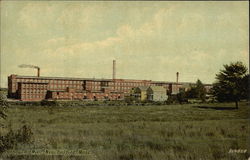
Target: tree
[191, 93]
[231, 84]
[198, 91]
[245, 87]
[3, 106]
[181, 97]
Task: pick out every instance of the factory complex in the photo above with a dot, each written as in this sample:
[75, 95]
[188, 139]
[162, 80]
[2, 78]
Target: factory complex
[37, 88]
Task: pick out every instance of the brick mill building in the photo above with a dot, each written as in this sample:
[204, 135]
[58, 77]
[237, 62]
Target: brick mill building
[31, 88]
[36, 88]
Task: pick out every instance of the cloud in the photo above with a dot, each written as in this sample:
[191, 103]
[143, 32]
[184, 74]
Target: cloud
[87, 47]
[56, 40]
[125, 31]
[154, 25]
[143, 42]
[71, 16]
[42, 12]
[152, 42]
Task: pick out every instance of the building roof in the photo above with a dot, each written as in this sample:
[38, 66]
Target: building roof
[158, 89]
[104, 79]
[63, 78]
[143, 88]
[179, 83]
[54, 90]
[81, 79]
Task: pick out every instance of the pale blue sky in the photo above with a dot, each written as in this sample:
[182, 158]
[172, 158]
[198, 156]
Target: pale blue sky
[149, 40]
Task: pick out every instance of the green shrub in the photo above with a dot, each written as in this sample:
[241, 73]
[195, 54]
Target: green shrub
[181, 97]
[49, 103]
[3, 106]
[131, 100]
[171, 99]
[24, 134]
[158, 103]
[11, 139]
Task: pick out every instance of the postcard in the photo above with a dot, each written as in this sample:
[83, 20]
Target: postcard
[124, 80]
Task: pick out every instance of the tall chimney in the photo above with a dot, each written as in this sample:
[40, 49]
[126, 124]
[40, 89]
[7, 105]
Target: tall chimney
[114, 69]
[177, 77]
[38, 72]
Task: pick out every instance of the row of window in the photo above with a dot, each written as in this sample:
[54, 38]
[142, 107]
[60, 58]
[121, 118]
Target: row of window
[33, 92]
[118, 87]
[93, 82]
[79, 82]
[49, 81]
[32, 96]
[116, 83]
[64, 86]
[67, 94]
[34, 87]
[94, 87]
[127, 84]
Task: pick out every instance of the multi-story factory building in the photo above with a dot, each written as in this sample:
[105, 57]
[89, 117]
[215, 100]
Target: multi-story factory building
[35, 88]
[31, 88]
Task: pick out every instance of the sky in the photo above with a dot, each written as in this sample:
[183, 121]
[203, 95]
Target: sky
[149, 40]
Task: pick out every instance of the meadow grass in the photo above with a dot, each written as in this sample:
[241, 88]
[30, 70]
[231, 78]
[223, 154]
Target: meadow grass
[175, 132]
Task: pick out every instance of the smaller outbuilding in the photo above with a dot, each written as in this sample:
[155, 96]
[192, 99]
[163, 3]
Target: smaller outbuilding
[141, 92]
[157, 93]
[150, 93]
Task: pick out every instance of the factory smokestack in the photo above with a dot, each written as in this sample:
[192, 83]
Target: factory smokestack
[177, 77]
[31, 66]
[114, 69]
[38, 72]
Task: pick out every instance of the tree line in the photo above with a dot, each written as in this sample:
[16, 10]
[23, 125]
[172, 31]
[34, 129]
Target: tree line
[231, 85]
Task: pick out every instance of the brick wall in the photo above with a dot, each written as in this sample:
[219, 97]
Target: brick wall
[37, 88]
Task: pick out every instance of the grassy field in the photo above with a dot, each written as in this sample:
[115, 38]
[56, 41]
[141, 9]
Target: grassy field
[175, 132]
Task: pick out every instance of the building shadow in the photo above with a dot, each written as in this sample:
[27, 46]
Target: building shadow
[215, 107]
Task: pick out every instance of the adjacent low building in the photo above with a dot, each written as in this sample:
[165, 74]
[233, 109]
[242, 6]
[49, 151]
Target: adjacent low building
[141, 93]
[157, 93]
[150, 93]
